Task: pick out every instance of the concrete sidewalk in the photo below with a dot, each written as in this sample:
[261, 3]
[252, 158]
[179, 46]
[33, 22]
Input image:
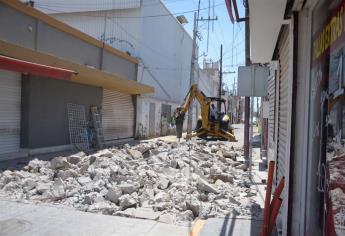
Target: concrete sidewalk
[231, 227]
[20, 219]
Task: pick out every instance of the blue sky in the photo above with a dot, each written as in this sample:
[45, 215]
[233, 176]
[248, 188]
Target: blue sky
[223, 32]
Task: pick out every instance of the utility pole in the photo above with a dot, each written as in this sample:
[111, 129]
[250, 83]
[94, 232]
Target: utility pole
[192, 69]
[194, 60]
[246, 99]
[220, 79]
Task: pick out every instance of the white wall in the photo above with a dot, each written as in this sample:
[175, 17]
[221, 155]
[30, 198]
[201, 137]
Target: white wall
[114, 26]
[172, 53]
[53, 6]
[208, 83]
[161, 44]
[143, 116]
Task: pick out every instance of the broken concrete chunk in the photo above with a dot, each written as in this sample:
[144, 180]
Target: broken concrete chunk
[180, 164]
[205, 210]
[43, 187]
[161, 206]
[185, 216]
[241, 167]
[204, 186]
[163, 182]
[214, 148]
[215, 170]
[163, 156]
[241, 159]
[141, 213]
[35, 165]
[222, 203]
[194, 206]
[74, 159]
[103, 153]
[167, 218]
[173, 163]
[91, 198]
[83, 180]
[92, 159]
[234, 201]
[104, 207]
[161, 197]
[114, 194]
[223, 177]
[127, 201]
[128, 188]
[66, 174]
[229, 154]
[135, 154]
[59, 163]
[7, 174]
[174, 185]
[29, 184]
[58, 190]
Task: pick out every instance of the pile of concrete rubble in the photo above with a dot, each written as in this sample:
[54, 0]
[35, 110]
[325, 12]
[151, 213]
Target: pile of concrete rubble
[165, 181]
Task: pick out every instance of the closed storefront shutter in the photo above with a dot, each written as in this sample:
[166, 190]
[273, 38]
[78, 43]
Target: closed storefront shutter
[272, 103]
[10, 102]
[118, 119]
[283, 107]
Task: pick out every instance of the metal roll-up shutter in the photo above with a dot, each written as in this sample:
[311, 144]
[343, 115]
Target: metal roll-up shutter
[272, 104]
[283, 106]
[117, 115]
[10, 102]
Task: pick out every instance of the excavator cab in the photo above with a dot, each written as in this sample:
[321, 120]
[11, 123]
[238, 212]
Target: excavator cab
[222, 120]
[218, 128]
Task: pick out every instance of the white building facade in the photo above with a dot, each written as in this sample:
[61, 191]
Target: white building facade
[146, 30]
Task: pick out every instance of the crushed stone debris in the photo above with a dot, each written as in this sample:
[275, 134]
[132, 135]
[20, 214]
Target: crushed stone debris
[158, 180]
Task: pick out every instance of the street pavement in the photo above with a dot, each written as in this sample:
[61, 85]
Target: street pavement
[21, 219]
[233, 225]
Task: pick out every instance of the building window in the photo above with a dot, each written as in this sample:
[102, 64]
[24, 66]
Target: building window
[327, 113]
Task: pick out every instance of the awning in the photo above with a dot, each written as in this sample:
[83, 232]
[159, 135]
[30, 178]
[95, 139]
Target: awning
[26, 67]
[265, 18]
[84, 75]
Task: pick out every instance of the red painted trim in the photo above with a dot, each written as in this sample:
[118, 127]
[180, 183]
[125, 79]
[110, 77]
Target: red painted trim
[26, 67]
[228, 6]
[273, 218]
[276, 203]
[266, 213]
[234, 3]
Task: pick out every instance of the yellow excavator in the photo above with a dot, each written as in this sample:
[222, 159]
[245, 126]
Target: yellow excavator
[206, 127]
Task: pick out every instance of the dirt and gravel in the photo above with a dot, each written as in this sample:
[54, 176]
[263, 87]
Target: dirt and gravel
[159, 180]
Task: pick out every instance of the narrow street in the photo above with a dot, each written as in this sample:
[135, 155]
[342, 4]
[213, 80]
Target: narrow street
[149, 188]
[120, 117]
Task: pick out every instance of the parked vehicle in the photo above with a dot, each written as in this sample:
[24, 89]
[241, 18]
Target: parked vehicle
[256, 141]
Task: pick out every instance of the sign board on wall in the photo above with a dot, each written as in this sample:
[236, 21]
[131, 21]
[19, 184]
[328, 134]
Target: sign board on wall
[252, 81]
[265, 109]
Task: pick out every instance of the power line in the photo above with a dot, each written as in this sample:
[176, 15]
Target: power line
[140, 42]
[97, 3]
[128, 17]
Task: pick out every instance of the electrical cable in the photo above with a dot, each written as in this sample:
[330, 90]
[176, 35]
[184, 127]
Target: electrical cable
[130, 17]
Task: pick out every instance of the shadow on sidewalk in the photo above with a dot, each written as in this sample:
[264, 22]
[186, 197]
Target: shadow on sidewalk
[240, 226]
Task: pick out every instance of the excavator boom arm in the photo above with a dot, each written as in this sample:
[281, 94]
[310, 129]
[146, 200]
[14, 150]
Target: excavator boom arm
[195, 93]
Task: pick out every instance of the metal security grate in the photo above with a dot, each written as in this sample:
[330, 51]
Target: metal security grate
[77, 125]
